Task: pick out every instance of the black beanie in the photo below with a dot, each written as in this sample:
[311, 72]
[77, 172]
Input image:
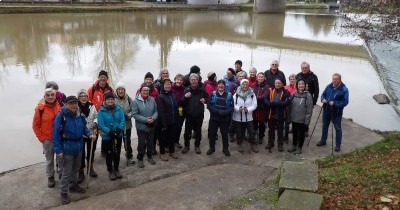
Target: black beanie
[109, 95]
[231, 70]
[221, 81]
[194, 69]
[211, 77]
[149, 75]
[102, 72]
[238, 62]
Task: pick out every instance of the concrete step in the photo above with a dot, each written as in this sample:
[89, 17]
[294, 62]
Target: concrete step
[301, 176]
[294, 199]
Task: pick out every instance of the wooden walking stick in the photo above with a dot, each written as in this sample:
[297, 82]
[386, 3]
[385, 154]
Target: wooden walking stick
[94, 132]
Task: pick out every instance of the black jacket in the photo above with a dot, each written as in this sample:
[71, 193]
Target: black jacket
[270, 77]
[220, 106]
[192, 105]
[167, 108]
[312, 84]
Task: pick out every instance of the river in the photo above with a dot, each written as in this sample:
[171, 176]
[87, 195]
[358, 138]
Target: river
[71, 49]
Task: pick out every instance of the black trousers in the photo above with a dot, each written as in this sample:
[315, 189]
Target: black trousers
[213, 126]
[231, 127]
[168, 138]
[241, 128]
[195, 124]
[86, 155]
[127, 143]
[260, 127]
[272, 123]
[113, 152]
[298, 134]
[145, 143]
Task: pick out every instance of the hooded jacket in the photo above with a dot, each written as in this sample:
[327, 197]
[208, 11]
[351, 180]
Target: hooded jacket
[96, 94]
[142, 109]
[277, 106]
[192, 105]
[271, 77]
[167, 108]
[210, 86]
[301, 107]
[220, 106]
[312, 84]
[339, 96]
[260, 90]
[68, 132]
[43, 120]
[178, 92]
[125, 103]
[229, 82]
[249, 101]
[110, 119]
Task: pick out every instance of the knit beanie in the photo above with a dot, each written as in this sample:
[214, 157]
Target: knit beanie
[194, 69]
[221, 81]
[211, 76]
[243, 81]
[102, 72]
[120, 85]
[149, 75]
[231, 70]
[81, 91]
[109, 95]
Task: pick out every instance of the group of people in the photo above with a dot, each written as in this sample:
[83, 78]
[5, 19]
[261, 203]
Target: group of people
[240, 106]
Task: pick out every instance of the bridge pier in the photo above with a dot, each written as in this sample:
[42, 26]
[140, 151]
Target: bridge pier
[269, 6]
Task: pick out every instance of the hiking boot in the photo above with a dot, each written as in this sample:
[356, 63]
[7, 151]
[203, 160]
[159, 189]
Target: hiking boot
[92, 173]
[337, 149]
[140, 164]
[51, 182]
[197, 150]
[298, 151]
[292, 149]
[232, 138]
[178, 145]
[280, 147]
[173, 155]
[240, 148]
[261, 140]
[269, 146]
[185, 150]
[163, 157]
[75, 188]
[118, 175]
[65, 199]
[226, 152]
[81, 176]
[254, 148]
[112, 176]
[151, 161]
[320, 143]
[210, 151]
[131, 161]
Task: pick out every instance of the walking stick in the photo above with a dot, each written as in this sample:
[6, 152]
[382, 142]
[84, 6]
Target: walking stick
[90, 158]
[125, 146]
[316, 122]
[333, 125]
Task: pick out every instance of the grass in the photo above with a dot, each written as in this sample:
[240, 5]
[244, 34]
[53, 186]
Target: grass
[359, 179]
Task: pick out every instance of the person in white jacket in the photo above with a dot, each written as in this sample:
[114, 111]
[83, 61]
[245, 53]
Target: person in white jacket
[245, 102]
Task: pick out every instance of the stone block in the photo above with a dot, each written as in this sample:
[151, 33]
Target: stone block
[294, 199]
[301, 176]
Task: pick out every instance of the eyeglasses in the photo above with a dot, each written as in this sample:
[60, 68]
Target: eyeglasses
[274, 64]
[83, 96]
[50, 95]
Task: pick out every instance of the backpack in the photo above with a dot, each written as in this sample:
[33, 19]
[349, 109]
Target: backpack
[63, 121]
[237, 96]
[228, 98]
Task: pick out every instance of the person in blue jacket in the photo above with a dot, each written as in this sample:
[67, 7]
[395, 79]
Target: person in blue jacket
[111, 122]
[68, 133]
[334, 98]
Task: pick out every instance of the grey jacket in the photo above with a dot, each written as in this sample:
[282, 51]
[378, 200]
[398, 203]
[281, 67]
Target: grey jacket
[126, 105]
[141, 110]
[301, 107]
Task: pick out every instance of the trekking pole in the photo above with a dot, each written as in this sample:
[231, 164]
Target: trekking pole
[125, 146]
[316, 122]
[333, 125]
[90, 165]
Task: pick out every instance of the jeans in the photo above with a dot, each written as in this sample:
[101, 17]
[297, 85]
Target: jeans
[72, 164]
[337, 123]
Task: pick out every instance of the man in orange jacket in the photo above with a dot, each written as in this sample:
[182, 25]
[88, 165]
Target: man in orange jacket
[42, 125]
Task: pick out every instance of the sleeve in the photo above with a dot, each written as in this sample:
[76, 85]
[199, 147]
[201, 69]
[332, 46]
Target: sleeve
[283, 79]
[316, 90]
[121, 119]
[89, 92]
[253, 105]
[92, 118]
[135, 112]
[267, 101]
[210, 107]
[86, 131]
[323, 96]
[155, 114]
[285, 97]
[161, 111]
[184, 99]
[130, 113]
[236, 106]
[37, 124]
[56, 138]
[309, 109]
[343, 102]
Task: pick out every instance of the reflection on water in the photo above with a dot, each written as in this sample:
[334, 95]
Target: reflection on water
[72, 48]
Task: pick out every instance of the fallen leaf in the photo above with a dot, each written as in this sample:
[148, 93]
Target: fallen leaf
[385, 200]
[385, 208]
[391, 196]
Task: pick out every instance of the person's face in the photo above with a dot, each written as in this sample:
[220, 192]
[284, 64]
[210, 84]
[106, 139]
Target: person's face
[164, 74]
[179, 81]
[260, 78]
[144, 93]
[72, 106]
[221, 87]
[274, 66]
[305, 69]
[148, 81]
[110, 102]
[50, 97]
[194, 82]
[336, 80]
[167, 86]
[253, 73]
[278, 84]
[301, 86]
[103, 80]
[229, 74]
[245, 86]
[240, 77]
[121, 92]
[83, 98]
[238, 66]
[292, 80]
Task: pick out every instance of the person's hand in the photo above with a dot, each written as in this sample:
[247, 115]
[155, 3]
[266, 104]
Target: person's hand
[240, 109]
[324, 101]
[331, 103]
[188, 94]
[150, 120]
[92, 137]
[245, 110]
[202, 100]
[60, 156]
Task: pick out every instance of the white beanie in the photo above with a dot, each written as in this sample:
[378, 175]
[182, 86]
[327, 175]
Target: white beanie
[243, 81]
[120, 85]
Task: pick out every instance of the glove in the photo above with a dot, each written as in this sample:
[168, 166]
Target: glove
[118, 131]
[112, 133]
